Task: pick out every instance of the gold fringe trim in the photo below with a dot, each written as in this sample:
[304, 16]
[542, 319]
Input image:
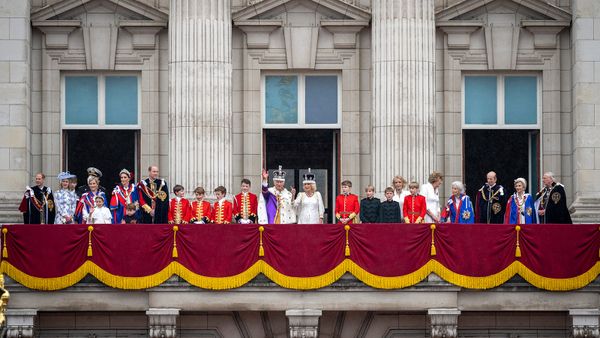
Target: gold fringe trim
[304, 283]
[381, 282]
[301, 283]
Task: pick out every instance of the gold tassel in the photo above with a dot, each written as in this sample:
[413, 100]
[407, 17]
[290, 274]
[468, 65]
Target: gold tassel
[89, 251]
[518, 250]
[261, 250]
[175, 253]
[433, 251]
[4, 250]
[347, 251]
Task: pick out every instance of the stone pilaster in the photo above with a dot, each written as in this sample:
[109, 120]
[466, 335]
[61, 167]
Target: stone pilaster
[403, 90]
[444, 322]
[15, 93]
[586, 110]
[162, 323]
[303, 323]
[200, 112]
[20, 323]
[585, 323]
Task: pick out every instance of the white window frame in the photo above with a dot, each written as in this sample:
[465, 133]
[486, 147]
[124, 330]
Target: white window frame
[301, 102]
[101, 101]
[500, 97]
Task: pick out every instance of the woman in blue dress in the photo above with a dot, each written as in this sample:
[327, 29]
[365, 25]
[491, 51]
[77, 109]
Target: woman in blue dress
[520, 208]
[459, 208]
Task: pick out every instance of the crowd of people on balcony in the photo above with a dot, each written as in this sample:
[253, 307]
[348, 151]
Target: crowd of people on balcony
[147, 202]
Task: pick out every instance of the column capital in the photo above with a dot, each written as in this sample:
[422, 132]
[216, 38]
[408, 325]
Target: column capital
[586, 323]
[162, 322]
[444, 322]
[20, 323]
[303, 323]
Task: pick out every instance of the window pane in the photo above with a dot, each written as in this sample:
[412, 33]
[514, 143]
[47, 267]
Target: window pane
[321, 99]
[520, 99]
[121, 100]
[81, 100]
[481, 100]
[281, 99]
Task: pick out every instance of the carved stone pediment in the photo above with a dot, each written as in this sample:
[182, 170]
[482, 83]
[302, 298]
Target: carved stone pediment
[94, 28]
[299, 28]
[503, 22]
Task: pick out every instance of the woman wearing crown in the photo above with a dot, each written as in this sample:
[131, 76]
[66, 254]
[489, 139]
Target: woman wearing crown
[123, 194]
[309, 204]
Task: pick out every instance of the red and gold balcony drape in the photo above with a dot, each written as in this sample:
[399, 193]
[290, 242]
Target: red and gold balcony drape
[386, 256]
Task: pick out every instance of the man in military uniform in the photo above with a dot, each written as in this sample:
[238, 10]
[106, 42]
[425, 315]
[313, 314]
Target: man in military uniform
[95, 172]
[37, 205]
[490, 203]
[551, 202]
[154, 198]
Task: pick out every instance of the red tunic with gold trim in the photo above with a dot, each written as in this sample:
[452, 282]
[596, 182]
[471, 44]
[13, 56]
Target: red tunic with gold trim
[245, 208]
[222, 212]
[201, 212]
[179, 211]
[415, 208]
[347, 206]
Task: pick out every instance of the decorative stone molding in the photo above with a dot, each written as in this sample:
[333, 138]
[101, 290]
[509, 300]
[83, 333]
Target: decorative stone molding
[545, 32]
[258, 32]
[459, 32]
[162, 322]
[344, 32]
[143, 32]
[57, 32]
[586, 323]
[444, 322]
[303, 323]
[20, 323]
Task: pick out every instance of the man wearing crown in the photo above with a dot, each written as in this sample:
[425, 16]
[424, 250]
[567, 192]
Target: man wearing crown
[154, 198]
[245, 204]
[275, 203]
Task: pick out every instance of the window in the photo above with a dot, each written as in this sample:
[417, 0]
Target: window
[98, 100]
[507, 101]
[309, 101]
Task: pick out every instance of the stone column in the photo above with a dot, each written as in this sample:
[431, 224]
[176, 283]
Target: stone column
[303, 323]
[200, 114]
[403, 109]
[586, 110]
[162, 322]
[20, 323]
[15, 93]
[585, 323]
[444, 322]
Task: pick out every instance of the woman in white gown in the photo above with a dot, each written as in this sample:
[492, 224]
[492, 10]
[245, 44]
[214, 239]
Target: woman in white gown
[309, 204]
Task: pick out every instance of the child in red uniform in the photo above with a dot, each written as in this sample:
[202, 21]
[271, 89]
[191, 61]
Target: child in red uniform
[222, 209]
[415, 206]
[179, 207]
[347, 206]
[201, 210]
[245, 205]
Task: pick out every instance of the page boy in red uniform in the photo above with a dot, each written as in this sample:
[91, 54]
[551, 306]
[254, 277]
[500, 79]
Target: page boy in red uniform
[347, 206]
[415, 206]
[179, 207]
[222, 209]
[245, 204]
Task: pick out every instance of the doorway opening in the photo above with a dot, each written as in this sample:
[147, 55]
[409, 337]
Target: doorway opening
[296, 150]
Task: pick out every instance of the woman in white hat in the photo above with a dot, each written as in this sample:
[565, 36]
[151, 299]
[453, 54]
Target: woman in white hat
[65, 200]
[309, 204]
